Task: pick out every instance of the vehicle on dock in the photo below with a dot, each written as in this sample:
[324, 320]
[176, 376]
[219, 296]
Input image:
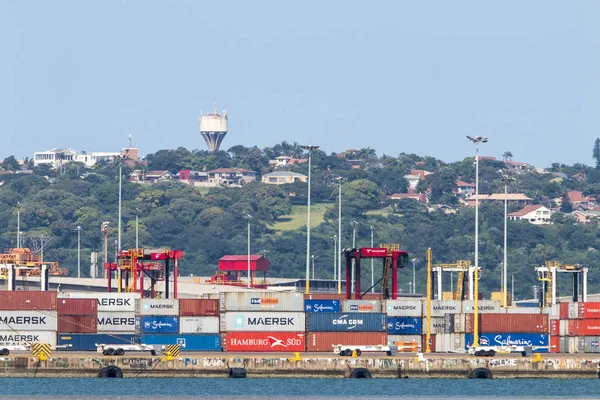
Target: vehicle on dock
[490, 351]
[120, 349]
[348, 351]
[5, 350]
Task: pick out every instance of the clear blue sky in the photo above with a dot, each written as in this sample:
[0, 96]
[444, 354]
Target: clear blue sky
[398, 76]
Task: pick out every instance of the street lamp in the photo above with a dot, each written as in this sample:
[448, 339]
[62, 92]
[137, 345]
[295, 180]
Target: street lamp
[248, 217]
[506, 179]
[339, 270]
[414, 282]
[372, 268]
[18, 224]
[137, 236]
[313, 257]
[310, 149]
[334, 238]
[476, 140]
[79, 251]
[353, 224]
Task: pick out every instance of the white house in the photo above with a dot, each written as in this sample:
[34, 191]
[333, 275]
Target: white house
[283, 177]
[534, 214]
[58, 157]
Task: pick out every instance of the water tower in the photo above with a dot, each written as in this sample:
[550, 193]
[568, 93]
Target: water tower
[213, 128]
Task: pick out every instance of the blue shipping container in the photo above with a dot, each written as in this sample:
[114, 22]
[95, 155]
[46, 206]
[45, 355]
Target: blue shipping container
[346, 322]
[87, 341]
[186, 342]
[404, 325]
[514, 339]
[315, 306]
[156, 324]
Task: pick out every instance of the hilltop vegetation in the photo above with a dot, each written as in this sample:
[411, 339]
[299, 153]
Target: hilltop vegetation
[210, 224]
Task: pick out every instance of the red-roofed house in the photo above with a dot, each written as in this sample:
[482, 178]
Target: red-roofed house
[411, 194]
[465, 188]
[534, 214]
[231, 176]
[415, 176]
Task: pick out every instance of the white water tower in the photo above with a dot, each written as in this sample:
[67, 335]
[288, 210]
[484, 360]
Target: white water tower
[213, 128]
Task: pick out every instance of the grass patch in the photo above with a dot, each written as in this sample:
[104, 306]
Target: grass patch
[383, 211]
[299, 216]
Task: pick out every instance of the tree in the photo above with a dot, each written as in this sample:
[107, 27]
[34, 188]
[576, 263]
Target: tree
[596, 153]
[565, 205]
[507, 156]
[11, 164]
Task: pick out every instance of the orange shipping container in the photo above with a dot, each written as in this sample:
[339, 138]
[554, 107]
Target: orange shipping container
[563, 310]
[509, 323]
[589, 310]
[198, 308]
[431, 343]
[324, 341]
[554, 327]
[554, 344]
[27, 300]
[77, 324]
[584, 327]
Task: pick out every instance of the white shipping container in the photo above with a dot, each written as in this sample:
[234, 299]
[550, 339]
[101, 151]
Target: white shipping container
[450, 343]
[28, 320]
[438, 325]
[157, 307]
[122, 322]
[199, 325]
[459, 323]
[265, 321]
[361, 306]
[524, 310]
[403, 308]
[12, 338]
[485, 306]
[113, 302]
[576, 345]
[441, 307]
[404, 340]
[573, 311]
[264, 301]
[563, 327]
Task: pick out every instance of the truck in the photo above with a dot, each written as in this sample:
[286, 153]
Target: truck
[5, 350]
[120, 349]
[347, 350]
[490, 351]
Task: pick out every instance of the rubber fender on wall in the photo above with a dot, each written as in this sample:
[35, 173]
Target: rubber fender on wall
[110, 372]
[237, 372]
[360, 373]
[480, 373]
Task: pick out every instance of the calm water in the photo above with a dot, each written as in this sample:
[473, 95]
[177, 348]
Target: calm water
[258, 388]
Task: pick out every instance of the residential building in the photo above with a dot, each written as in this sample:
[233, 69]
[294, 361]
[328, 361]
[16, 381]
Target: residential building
[194, 178]
[283, 177]
[139, 176]
[465, 189]
[231, 176]
[411, 194]
[518, 198]
[57, 157]
[415, 176]
[586, 216]
[286, 161]
[534, 214]
[517, 166]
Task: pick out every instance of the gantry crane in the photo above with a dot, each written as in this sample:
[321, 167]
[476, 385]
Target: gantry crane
[547, 276]
[465, 273]
[23, 262]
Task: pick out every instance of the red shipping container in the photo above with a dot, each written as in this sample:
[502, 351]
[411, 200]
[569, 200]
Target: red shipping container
[509, 323]
[198, 308]
[20, 300]
[589, 310]
[554, 344]
[69, 306]
[431, 343]
[77, 324]
[265, 341]
[585, 327]
[564, 310]
[572, 329]
[554, 327]
[324, 341]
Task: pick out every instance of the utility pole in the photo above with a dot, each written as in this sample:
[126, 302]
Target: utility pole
[353, 224]
[339, 271]
[18, 224]
[506, 179]
[104, 230]
[79, 251]
[310, 149]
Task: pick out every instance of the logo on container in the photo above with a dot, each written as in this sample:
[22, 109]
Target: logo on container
[350, 323]
[484, 341]
[238, 321]
[264, 301]
[361, 307]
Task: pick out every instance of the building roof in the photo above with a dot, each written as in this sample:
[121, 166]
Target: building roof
[156, 173]
[526, 210]
[285, 173]
[230, 170]
[576, 196]
[420, 173]
[464, 184]
[500, 196]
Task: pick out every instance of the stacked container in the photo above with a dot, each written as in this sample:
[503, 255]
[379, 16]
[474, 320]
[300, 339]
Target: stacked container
[77, 316]
[27, 317]
[263, 321]
[404, 323]
[578, 328]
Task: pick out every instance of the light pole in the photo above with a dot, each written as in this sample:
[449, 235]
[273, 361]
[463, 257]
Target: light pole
[313, 257]
[310, 149]
[120, 202]
[18, 224]
[506, 179]
[248, 217]
[79, 251]
[372, 268]
[116, 251]
[476, 140]
[353, 224]
[339, 271]
[414, 282]
[334, 257]
[137, 236]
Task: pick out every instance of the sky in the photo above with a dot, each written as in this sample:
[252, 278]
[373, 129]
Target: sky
[396, 76]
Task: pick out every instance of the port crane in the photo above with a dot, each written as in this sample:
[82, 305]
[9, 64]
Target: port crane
[546, 274]
[465, 275]
[23, 262]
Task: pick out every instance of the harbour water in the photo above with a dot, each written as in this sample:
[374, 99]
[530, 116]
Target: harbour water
[259, 388]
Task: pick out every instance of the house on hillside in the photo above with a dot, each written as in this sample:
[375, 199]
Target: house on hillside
[411, 194]
[586, 216]
[518, 198]
[464, 188]
[194, 178]
[283, 177]
[231, 176]
[534, 214]
[517, 166]
[139, 176]
[415, 176]
[286, 161]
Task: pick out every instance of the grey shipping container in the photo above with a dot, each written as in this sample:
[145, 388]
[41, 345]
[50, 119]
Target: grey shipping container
[198, 324]
[168, 307]
[113, 302]
[28, 321]
[441, 307]
[437, 325]
[484, 306]
[403, 308]
[265, 321]
[264, 301]
[592, 344]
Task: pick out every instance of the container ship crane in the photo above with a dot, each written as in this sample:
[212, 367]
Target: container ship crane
[23, 262]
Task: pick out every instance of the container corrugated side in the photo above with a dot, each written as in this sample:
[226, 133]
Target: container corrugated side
[87, 342]
[563, 327]
[154, 324]
[574, 311]
[20, 300]
[404, 325]
[113, 302]
[116, 322]
[76, 306]
[265, 341]
[510, 339]
[198, 308]
[324, 341]
[316, 306]
[509, 323]
[554, 344]
[441, 307]
[371, 306]
[339, 297]
[264, 301]
[438, 325]
[405, 343]
[168, 307]
[28, 320]
[265, 321]
[199, 325]
[589, 310]
[77, 323]
[484, 306]
[592, 344]
[450, 343]
[524, 310]
[585, 327]
[403, 308]
[208, 342]
[345, 322]
[12, 338]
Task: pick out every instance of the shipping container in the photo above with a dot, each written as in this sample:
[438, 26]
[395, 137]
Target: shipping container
[403, 308]
[199, 325]
[592, 344]
[438, 324]
[265, 341]
[441, 307]
[484, 306]
[315, 306]
[264, 301]
[28, 320]
[584, 327]
[574, 311]
[265, 321]
[27, 300]
[343, 322]
[113, 302]
[589, 310]
[524, 310]
[459, 323]
[509, 323]
[87, 342]
[563, 310]
[168, 307]
[116, 322]
[12, 338]
[198, 308]
[154, 324]
[77, 306]
[554, 344]
[575, 344]
[361, 306]
[450, 343]
[405, 343]
[554, 327]
[77, 323]
[207, 342]
[564, 344]
[324, 341]
[404, 325]
[563, 327]
[432, 343]
[510, 339]
[339, 297]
